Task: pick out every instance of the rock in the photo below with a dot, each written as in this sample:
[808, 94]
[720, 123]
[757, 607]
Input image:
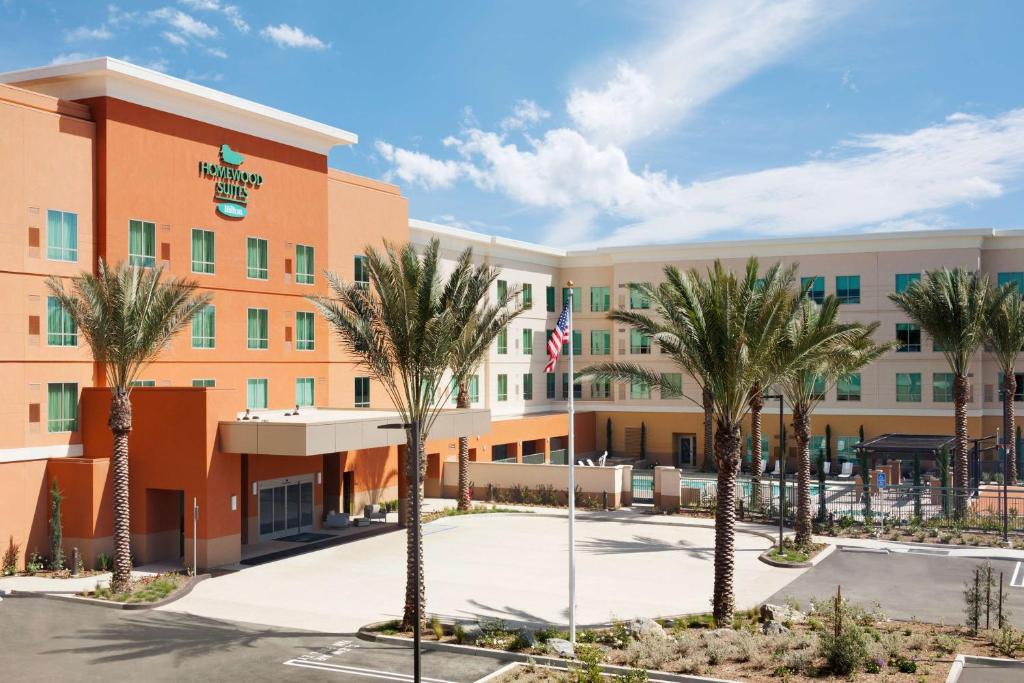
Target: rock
[527, 637]
[774, 628]
[471, 633]
[562, 648]
[646, 627]
[781, 613]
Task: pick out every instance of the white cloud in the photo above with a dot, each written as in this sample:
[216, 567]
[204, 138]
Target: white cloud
[65, 57]
[525, 114]
[709, 49]
[217, 52]
[284, 35]
[88, 33]
[418, 168]
[231, 12]
[175, 38]
[234, 16]
[185, 23]
[200, 5]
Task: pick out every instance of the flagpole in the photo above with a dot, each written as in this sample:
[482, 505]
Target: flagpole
[572, 479]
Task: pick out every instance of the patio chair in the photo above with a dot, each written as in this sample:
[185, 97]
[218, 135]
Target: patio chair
[602, 459]
[775, 472]
[826, 466]
[847, 470]
[374, 513]
[764, 465]
[590, 463]
[337, 521]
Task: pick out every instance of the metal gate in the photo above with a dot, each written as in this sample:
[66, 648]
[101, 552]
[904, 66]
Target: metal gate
[643, 487]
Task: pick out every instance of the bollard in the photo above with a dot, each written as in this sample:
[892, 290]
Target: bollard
[74, 561]
[741, 509]
[605, 500]
[490, 493]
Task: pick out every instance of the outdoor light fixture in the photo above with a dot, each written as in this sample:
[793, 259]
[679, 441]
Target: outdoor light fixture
[782, 464]
[255, 490]
[234, 503]
[319, 477]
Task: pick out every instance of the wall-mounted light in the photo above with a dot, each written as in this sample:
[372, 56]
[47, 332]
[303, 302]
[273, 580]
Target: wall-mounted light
[319, 477]
[234, 503]
[255, 490]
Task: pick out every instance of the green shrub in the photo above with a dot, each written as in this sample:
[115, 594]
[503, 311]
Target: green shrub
[632, 676]
[436, 628]
[906, 666]
[9, 564]
[586, 636]
[459, 633]
[35, 563]
[545, 634]
[1007, 641]
[589, 669]
[103, 562]
[947, 644]
[843, 653]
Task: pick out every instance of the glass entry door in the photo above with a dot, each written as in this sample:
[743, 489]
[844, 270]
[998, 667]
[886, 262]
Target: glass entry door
[286, 507]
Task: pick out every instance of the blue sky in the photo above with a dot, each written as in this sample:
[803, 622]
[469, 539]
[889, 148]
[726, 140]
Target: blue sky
[587, 123]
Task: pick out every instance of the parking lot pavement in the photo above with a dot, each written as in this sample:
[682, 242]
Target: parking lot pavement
[907, 585]
[47, 640]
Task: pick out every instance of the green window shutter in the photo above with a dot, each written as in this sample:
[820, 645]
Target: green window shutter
[304, 322]
[577, 343]
[550, 293]
[549, 382]
[527, 387]
[527, 296]
[304, 264]
[904, 280]
[527, 342]
[565, 386]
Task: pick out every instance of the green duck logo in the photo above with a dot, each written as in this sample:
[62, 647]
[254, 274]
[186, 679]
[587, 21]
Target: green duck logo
[230, 156]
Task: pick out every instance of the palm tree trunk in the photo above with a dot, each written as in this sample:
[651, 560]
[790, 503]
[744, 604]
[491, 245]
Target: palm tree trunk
[414, 545]
[802, 428]
[1009, 426]
[120, 423]
[708, 398]
[727, 451]
[462, 401]
[960, 392]
[756, 406]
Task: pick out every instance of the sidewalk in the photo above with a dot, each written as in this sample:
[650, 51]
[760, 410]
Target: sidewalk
[925, 548]
[42, 584]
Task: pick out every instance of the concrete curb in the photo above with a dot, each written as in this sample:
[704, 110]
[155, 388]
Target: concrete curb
[519, 658]
[109, 604]
[963, 660]
[825, 552]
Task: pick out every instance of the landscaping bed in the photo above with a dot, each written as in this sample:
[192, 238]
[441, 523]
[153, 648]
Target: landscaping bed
[147, 589]
[792, 555]
[475, 510]
[777, 643]
[911, 533]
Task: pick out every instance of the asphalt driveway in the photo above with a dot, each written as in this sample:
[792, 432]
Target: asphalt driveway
[508, 566]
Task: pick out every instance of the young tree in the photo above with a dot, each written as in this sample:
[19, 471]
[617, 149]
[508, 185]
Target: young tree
[127, 315]
[722, 329]
[952, 306]
[815, 351]
[1006, 338]
[404, 330]
[56, 528]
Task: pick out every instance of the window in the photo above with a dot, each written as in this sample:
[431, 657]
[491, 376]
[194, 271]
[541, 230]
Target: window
[817, 447]
[908, 387]
[60, 327]
[204, 382]
[1018, 394]
[817, 388]
[848, 388]
[362, 392]
[527, 342]
[814, 287]
[303, 264]
[639, 342]
[600, 299]
[765, 446]
[577, 342]
[551, 299]
[845, 447]
[474, 389]
[304, 391]
[577, 388]
[904, 280]
[204, 328]
[527, 296]
[637, 299]
[576, 303]
[601, 389]
[257, 328]
[62, 407]
[61, 235]
[672, 385]
[502, 290]
[549, 379]
[202, 251]
[361, 271]
[255, 393]
[600, 342]
[503, 341]
[942, 387]
[304, 331]
[256, 258]
[142, 244]
[848, 289]
[502, 387]
[908, 337]
[142, 383]
[527, 386]
[1017, 279]
[639, 391]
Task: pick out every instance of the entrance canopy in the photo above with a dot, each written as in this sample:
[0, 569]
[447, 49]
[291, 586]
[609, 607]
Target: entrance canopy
[315, 431]
[897, 444]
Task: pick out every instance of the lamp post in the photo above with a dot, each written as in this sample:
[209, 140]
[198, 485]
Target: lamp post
[782, 464]
[413, 429]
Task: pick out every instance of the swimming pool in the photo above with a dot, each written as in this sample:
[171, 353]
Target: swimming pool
[709, 487]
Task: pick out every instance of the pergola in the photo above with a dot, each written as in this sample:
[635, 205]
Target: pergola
[905, 445]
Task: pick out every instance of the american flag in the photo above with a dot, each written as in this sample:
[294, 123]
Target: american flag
[559, 336]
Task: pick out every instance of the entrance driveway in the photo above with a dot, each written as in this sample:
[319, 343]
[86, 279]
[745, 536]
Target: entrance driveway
[508, 566]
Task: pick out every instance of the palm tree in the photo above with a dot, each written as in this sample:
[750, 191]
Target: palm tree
[723, 330]
[1006, 338]
[127, 316]
[485, 321]
[952, 307]
[756, 406]
[814, 353]
[403, 330]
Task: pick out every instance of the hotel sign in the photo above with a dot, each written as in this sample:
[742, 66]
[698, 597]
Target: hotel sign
[233, 185]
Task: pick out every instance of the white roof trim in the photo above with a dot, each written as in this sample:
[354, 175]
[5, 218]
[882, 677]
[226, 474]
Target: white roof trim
[108, 77]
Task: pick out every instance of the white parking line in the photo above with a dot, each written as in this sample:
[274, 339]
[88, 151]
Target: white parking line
[1017, 573]
[359, 671]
